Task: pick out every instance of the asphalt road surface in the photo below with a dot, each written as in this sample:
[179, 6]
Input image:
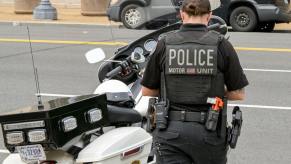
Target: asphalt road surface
[59, 56]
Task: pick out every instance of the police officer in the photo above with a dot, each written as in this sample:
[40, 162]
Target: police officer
[192, 65]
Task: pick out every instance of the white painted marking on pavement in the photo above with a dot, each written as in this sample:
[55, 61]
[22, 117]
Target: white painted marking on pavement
[267, 70]
[55, 95]
[4, 151]
[261, 107]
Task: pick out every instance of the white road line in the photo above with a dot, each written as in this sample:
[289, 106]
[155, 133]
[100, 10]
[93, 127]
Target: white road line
[261, 107]
[55, 95]
[267, 70]
[2, 151]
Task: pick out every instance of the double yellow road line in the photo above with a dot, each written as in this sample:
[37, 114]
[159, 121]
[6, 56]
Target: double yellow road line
[64, 42]
[263, 49]
[109, 43]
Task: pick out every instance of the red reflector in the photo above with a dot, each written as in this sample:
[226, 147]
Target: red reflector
[131, 152]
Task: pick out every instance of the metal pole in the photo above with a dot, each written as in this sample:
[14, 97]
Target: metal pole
[45, 11]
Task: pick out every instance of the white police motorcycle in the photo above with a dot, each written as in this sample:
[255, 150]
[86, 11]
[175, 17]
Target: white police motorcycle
[100, 128]
[103, 128]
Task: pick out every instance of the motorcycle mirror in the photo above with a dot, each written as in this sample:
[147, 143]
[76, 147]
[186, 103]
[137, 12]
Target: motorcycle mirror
[96, 55]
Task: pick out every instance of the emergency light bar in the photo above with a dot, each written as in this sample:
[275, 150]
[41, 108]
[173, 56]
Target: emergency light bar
[60, 121]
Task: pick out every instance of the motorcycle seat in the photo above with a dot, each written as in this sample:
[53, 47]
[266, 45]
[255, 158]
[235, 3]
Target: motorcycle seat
[120, 115]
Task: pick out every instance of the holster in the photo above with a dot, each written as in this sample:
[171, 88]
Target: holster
[235, 130]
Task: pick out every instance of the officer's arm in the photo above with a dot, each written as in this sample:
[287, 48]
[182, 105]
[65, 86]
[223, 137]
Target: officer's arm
[150, 92]
[234, 76]
[236, 95]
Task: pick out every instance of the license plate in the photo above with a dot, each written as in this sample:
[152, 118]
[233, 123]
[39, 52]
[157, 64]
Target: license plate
[31, 153]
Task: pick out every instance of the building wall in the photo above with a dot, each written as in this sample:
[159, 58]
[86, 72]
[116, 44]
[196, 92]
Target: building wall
[6, 1]
[65, 3]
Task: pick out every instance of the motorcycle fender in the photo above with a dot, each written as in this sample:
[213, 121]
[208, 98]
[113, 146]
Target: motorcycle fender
[110, 147]
[59, 156]
[13, 158]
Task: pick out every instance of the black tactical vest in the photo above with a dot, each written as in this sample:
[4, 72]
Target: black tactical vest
[190, 68]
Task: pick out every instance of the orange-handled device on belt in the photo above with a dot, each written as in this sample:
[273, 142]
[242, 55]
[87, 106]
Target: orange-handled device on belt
[213, 113]
[218, 104]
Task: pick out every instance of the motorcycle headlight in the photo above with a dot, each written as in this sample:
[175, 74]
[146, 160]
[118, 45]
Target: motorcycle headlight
[14, 138]
[94, 115]
[113, 2]
[37, 135]
[69, 123]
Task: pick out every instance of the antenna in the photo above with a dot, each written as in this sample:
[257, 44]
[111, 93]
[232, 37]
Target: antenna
[111, 31]
[39, 100]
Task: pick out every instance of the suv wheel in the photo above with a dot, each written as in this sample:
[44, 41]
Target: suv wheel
[266, 26]
[243, 19]
[133, 16]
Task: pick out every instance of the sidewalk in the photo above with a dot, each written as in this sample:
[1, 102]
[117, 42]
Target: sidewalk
[65, 16]
[73, 16]
[283, 26]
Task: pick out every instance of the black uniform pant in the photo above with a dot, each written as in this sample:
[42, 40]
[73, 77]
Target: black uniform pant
[189, 143]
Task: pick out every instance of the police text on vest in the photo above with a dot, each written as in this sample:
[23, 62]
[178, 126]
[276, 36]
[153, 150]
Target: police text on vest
[191, 61]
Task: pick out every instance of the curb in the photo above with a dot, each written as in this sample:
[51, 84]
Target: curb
[52, 23]
[278, 27]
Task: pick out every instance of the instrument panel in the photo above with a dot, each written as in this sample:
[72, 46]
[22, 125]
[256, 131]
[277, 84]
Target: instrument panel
[148, 46]
[139, 50]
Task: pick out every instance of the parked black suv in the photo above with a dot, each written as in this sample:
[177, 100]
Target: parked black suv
[242, 15]
[254, 15]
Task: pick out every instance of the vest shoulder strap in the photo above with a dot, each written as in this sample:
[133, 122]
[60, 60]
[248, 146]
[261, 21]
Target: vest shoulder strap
[209, 38]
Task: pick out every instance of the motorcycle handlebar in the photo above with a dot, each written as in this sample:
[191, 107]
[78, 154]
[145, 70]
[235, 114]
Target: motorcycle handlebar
[214, 26]
[114, 72]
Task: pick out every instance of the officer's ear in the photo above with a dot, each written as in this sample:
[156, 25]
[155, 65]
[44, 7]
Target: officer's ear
[209, 16]
[182, 14]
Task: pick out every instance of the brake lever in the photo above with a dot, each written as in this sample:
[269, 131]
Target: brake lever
[113, 61]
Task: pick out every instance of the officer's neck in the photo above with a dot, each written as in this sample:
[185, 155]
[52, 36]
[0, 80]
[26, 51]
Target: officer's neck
[195, 20]
[204, 19]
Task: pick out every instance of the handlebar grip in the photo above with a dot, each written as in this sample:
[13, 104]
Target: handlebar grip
[114, 72]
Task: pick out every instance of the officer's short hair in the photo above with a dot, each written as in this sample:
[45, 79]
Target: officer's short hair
[196, 7]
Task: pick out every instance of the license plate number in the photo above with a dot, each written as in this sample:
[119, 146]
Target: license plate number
[31, 153]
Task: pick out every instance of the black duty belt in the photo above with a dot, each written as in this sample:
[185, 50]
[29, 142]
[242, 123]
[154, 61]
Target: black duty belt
[187, 116]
